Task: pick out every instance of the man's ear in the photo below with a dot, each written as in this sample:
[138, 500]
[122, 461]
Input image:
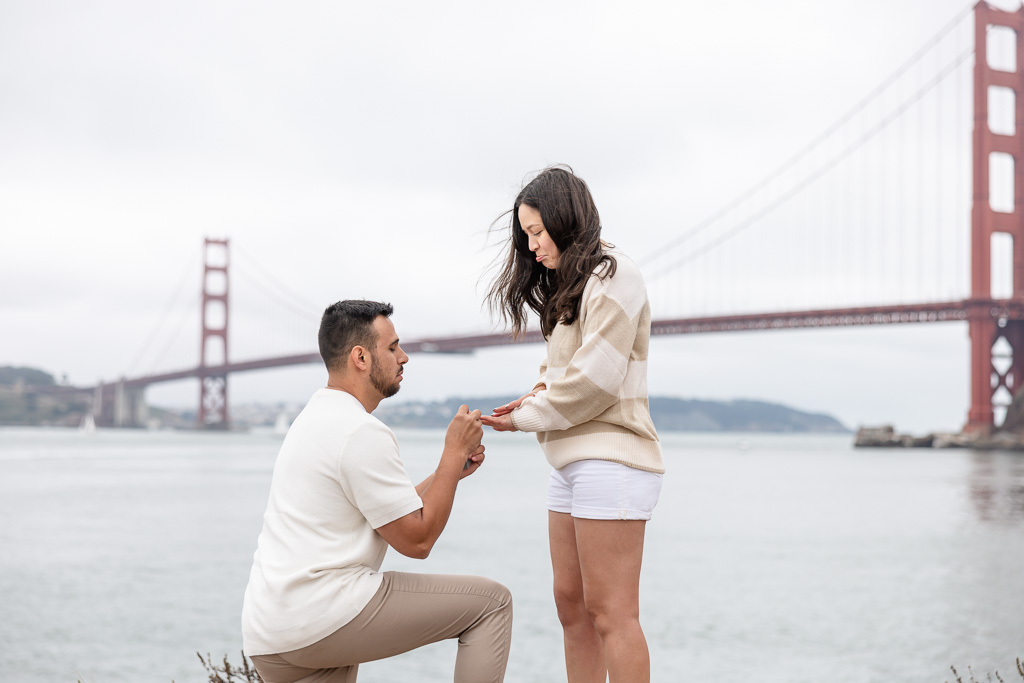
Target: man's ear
[359, 358]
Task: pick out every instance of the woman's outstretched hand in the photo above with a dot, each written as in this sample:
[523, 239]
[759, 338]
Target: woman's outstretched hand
[501, 419]
[511, 405]
[499, 423]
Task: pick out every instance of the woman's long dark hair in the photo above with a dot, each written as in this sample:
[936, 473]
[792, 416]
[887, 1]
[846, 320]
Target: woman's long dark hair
[571, 220]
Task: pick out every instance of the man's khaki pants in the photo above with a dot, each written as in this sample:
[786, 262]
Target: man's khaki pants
[407, 612]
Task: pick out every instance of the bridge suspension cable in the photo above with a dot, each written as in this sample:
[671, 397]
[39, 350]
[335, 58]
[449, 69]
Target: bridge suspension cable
[744, 196]
[283, 294]
[801, 185]
[873, 211]
[287, 330]
[188, 277]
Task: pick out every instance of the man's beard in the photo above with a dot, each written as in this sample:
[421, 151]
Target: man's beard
[387, 386]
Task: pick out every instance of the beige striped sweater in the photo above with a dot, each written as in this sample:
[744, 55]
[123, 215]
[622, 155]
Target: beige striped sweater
[595, 405]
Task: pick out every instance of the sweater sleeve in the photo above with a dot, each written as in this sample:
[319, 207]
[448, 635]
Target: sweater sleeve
[609, 318]
[543, 380]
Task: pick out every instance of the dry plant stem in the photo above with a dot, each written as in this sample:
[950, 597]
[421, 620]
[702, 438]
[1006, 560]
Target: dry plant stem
[1020, 672]
[245, 674]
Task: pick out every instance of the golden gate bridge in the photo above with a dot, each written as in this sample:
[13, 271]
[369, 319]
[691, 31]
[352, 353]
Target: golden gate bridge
[849, 182]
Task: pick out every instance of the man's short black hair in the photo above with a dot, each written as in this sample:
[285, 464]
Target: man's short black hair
[347, 324]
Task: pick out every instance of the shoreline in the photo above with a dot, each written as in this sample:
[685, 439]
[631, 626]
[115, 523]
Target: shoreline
[886, 436]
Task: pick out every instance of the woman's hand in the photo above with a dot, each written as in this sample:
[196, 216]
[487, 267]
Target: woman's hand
[512, 405]
[499, 423]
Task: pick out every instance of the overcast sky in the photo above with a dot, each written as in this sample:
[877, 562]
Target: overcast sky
[362, 150]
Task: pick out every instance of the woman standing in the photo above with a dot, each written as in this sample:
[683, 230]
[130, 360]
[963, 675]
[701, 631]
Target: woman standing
[590, 411]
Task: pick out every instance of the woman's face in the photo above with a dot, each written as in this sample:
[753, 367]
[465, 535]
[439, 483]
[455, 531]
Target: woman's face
[541, 244]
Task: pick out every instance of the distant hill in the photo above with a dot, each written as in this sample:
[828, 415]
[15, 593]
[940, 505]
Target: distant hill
[21, 407]
[10, 376]
[692, 415]
[18, 407]
[669, 415]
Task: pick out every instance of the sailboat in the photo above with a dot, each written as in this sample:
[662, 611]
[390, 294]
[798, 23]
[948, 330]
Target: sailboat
[281, 424]
[88, 424]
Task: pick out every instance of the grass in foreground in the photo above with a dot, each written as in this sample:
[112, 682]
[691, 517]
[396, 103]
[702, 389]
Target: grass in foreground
[988, 677]
[225, 673]
[247, 674]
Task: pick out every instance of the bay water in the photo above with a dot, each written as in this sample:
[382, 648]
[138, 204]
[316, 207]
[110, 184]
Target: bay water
[788, 558]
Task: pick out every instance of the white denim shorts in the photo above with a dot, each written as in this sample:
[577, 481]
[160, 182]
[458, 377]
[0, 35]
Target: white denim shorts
[600, 489]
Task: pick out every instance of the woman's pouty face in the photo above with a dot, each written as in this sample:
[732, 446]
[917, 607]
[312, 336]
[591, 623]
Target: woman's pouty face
[541, 244]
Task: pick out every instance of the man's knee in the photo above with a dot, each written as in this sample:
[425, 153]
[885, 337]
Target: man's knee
[503, 595]
[495, 616]
[490, 588]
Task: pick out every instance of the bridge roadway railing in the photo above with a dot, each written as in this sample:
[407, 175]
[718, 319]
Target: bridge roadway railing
[869, 315]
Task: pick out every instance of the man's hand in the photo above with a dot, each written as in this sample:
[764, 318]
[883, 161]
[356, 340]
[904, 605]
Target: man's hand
[473, 462]
[414, 534]
[463, 436]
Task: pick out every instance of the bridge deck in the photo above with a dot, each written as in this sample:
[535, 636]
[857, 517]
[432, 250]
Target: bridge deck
[871, 315]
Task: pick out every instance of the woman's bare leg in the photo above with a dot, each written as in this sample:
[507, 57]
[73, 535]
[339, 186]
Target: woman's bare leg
[584, 652]
[610, 554]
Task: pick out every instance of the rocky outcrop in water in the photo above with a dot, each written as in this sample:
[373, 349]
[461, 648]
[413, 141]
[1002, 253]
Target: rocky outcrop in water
[1009, 437]
[887, 437]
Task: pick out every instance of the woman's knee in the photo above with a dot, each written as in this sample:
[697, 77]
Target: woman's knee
[608, 618]
[570, 605]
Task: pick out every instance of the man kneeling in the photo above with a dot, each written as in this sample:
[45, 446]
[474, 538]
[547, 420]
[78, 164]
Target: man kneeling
[316, 605]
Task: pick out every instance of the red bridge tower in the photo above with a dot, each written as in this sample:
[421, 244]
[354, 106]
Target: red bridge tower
[996, 326]
[213, 384]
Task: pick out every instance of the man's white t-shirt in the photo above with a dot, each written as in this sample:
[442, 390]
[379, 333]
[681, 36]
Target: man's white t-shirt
[337, 478]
